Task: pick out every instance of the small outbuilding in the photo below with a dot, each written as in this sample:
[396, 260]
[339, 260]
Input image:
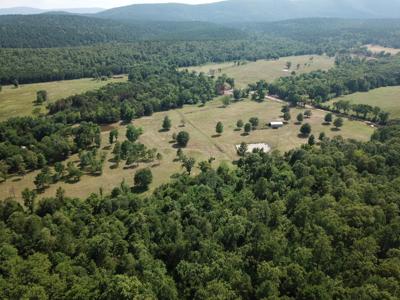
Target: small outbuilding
[276, 125]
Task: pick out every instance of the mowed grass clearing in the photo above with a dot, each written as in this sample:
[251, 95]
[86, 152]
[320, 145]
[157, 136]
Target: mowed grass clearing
[387, 98]
[200, 123]
[20, 101]
[379, 49]
[267, 70]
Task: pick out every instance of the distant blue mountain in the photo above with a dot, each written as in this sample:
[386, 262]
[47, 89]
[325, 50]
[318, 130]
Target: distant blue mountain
[35, 11]
[257, 10]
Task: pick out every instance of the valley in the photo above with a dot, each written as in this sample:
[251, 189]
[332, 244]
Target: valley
[200, 123]
[239, 149]
[250, 72]
[20, 101]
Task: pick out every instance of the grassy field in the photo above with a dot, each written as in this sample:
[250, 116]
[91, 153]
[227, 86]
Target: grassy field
[268, 70]
[387, 98]
[200, 123]
[20, 101]
[379, 49]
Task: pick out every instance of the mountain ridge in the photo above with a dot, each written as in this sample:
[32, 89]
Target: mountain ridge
[256, 10]
[26, 10]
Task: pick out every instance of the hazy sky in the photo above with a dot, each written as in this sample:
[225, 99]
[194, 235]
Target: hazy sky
[56, 4]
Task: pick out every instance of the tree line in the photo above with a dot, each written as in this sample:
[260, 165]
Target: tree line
[350, 75]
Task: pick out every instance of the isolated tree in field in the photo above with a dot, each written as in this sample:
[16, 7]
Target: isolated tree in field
[226, 101]
[43, 179]
[254, 121]
[287, 116]
[117, 153]
[242, 149]
[174, 136]
[166, 125]
[311, 140]
[239, 124]
[285, 109]
[188, 163]
[219, 129]
[179, 154]
[247, 128]
[237, 94]
[143, 178]
[328, 118]
[300, 118]
[182, 139]
[113, 136]
[322, 136]
[74, 173]
[159, 157]
[133, 133]
[305, 130]
[288, 65]
[29, 198]
[16, 83]
[41, 97]
[308, 113]
[59, 168]
[338, 123]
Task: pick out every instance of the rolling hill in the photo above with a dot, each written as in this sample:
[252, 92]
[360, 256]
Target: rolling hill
[35, 11]
[63, 30]
[257, 10]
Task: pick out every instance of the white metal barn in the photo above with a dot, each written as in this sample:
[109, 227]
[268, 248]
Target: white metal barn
[276, 124]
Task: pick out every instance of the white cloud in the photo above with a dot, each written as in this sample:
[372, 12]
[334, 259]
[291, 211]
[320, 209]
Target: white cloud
[57, 4]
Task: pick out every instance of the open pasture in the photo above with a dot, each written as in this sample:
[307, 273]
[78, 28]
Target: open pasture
[20, 101]
[379, 49]
[268, 70]
[200, 122]
[387, 98]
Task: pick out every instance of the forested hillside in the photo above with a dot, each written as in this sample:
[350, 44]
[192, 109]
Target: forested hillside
[62, 30]
[37, 65]
[257, 10]
[343, 33]
[317, 223]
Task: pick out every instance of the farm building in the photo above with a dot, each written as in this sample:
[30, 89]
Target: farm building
[276, 124]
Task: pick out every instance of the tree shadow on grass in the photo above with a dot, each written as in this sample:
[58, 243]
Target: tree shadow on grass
[132, 167]
[303, 136]
[216, 136]
[139, 189]
[163, 130]
[245, 134]
[334, 129]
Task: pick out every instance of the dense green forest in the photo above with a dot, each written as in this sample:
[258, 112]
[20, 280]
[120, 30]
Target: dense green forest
[350, 75]
[337, 33]
[50, 64]
[52, 30]
[116, 47]
[316, 223]
[30, 143]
